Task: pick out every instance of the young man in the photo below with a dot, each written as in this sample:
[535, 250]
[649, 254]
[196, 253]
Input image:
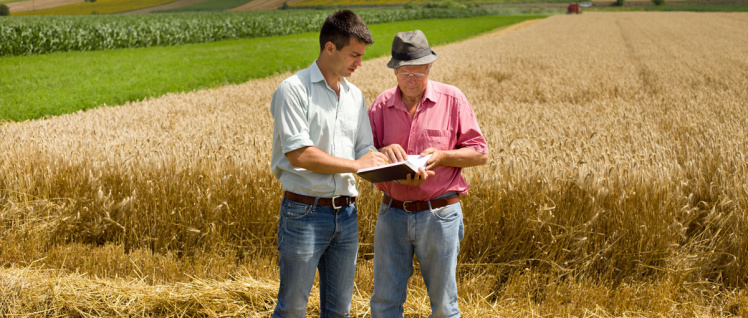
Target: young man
[421, 215]
[321, 136]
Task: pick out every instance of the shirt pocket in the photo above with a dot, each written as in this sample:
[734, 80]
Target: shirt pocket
[439, 139]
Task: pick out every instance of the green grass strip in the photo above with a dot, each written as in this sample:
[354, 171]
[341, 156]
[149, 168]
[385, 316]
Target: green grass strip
[38, 86]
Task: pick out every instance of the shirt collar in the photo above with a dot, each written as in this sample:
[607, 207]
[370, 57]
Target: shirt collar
[316, 76]
[429, 94]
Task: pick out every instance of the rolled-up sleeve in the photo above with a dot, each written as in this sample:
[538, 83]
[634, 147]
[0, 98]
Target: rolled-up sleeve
[289, 110]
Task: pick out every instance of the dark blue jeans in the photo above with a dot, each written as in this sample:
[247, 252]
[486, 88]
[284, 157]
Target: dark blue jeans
[312, 238]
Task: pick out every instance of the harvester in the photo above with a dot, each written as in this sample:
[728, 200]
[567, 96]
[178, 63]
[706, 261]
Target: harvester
[573, 8]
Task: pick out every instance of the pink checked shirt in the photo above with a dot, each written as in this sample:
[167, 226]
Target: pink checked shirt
[444, 120]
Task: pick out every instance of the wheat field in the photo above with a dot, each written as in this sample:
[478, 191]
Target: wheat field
[617, 184]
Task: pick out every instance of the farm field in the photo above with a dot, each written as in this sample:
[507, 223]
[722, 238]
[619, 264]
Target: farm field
[675, 5]
[77, 7]
[198, 6]
[617, 184]
[42, 35]
[73, 81]
[681, 5]
[29, 5]
[263, 5]
[97, 7]
[168, 6]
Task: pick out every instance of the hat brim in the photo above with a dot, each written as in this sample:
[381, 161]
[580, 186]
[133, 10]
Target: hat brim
[428, 59]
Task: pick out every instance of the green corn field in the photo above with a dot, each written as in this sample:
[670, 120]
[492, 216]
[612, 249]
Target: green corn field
[41, 35]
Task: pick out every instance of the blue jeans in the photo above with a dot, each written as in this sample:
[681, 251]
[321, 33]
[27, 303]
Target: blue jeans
[434, 237]
[312, 238]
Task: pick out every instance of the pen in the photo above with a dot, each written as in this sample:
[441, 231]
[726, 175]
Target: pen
[385, 162]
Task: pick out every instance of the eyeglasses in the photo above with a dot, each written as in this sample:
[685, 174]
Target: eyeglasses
[406, 75]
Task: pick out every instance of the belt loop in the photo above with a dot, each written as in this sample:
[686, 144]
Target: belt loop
[389, 204]
[315, 203]
[430, 209]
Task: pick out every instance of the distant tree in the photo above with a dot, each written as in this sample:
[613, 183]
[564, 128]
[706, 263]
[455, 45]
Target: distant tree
[284, 6]
[619, 2]
[4, 10]
[658, 2]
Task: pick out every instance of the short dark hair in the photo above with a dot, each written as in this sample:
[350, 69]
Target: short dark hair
[340, 26]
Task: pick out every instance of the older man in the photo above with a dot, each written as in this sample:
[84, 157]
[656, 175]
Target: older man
[421, 215]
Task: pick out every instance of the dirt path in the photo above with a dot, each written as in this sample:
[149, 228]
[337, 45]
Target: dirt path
[171, 5]
[31, 5]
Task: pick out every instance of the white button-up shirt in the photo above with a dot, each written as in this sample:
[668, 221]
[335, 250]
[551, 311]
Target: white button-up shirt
[307, 112]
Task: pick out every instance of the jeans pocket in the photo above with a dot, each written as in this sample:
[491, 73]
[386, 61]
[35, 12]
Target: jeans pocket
[382, 209]
[294, 210]
[448, 213]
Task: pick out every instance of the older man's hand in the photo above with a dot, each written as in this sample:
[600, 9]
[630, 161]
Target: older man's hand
[394, 153]
[418, 179]
[437, 156]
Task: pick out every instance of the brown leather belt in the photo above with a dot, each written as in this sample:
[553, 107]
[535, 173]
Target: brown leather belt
[335, 202]
[414, 206]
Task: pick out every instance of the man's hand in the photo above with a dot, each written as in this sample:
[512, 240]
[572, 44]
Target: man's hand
[418, 179]
[394, 153]
[371, 159]
[437, 156]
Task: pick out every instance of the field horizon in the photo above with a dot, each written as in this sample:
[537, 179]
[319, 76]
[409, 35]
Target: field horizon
[54, 7]
[616, 185]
